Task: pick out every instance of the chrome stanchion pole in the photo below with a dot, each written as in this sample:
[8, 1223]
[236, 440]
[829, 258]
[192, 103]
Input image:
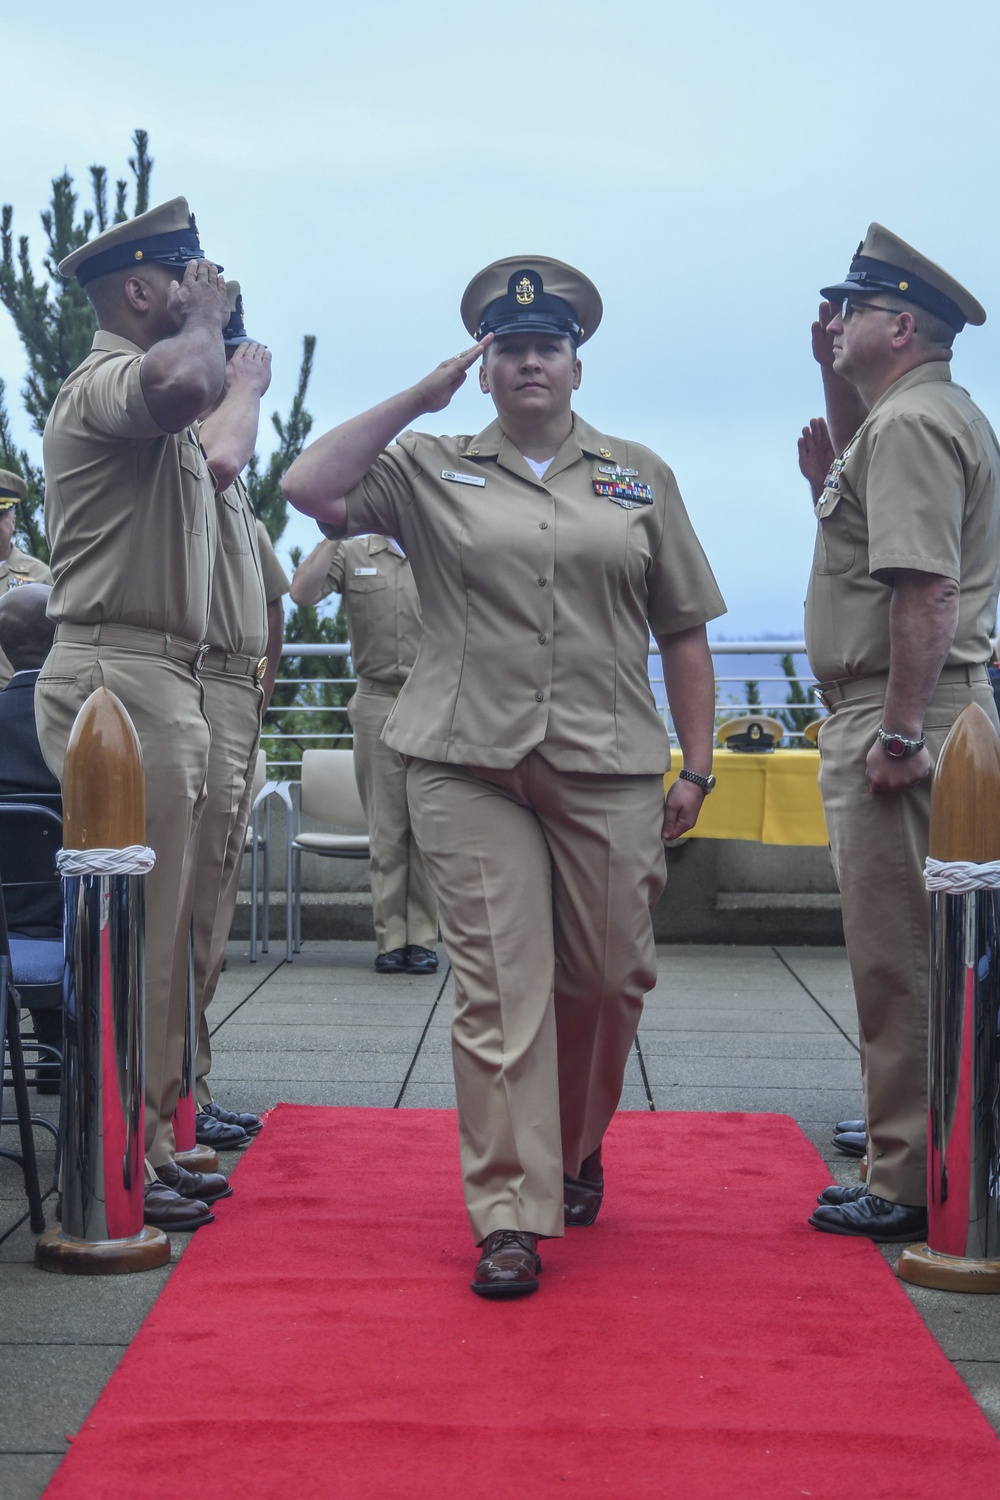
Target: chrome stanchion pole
[103, 863]
[962, 1253]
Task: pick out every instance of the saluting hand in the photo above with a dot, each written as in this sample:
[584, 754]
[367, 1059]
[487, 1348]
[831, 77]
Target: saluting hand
[249, 368]
[816, 455]
[822, 339]
[436, 389]
[200, 295]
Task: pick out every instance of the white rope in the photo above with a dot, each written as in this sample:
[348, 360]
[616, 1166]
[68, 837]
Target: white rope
[959, 876]
[135, 860]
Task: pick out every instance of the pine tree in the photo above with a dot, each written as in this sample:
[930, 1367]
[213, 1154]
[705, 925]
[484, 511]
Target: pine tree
[264, 488]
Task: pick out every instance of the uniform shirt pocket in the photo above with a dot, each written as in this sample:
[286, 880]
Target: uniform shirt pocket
[193, 474]
[234, 529]
[835, 546]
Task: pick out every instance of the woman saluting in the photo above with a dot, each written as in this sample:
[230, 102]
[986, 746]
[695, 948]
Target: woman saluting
[544, 552]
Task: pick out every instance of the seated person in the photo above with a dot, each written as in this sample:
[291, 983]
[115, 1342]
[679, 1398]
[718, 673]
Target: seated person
[25, 639]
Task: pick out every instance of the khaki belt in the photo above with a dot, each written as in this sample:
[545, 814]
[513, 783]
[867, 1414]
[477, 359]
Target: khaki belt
[135, 638]
[379, 689]
[232, 664]
[832, 693]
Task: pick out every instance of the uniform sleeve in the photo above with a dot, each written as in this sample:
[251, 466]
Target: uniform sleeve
[110, 402]
[335, 574]
[915, 498]
[386, 492]
[683, 592]
[275, 578]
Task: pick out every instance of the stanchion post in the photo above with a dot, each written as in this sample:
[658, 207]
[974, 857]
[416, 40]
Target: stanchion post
[962, 1253]
[104, 855]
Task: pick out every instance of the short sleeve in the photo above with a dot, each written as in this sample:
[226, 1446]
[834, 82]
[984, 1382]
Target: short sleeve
[915, 498]
[683, 592]
[385, 493]
[275, 578]
[110, 402]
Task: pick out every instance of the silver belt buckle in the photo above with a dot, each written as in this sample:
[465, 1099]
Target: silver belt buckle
[821, 697]
[203, 649]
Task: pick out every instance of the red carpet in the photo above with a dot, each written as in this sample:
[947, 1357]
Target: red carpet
[320, 1340]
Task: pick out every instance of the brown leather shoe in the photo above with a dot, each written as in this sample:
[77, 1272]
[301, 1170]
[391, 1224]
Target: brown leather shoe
[206, 1186]
[508, 1266]
[165, 1209]
[583, 1195]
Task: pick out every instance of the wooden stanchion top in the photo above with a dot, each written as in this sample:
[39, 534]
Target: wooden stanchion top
[965, 796]
[104, 790]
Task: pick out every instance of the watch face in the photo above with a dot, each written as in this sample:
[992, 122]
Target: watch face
[894, 746]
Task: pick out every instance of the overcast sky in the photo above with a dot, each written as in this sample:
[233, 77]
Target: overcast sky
[708, 166]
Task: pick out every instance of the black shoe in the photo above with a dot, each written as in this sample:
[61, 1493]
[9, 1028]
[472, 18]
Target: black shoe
[850, 1127]
[508, 1266]
[203, 1186]
[851, 1142]
[873, 1218]
[252, 1124]
[583, 1195]
[393, 962]
[420, 960]
[208, 1131]
[836, 1194]
[165, 1209]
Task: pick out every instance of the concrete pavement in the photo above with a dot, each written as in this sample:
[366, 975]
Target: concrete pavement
[727, 1028]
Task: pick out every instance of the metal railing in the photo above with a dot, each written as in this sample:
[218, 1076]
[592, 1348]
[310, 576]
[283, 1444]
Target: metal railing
[731, 697]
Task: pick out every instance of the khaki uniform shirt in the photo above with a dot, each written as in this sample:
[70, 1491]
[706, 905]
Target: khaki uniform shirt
[276, 581]
[538, 597]
[129, 508]
[237, 618]
[382, 607]
[18, 568]
[916, 488]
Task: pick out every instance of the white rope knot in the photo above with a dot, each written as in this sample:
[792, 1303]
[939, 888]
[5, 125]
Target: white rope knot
[137, 859]
[959, 876]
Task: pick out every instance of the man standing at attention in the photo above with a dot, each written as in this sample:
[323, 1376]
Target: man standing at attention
[130, 513]
[383, 621]
[901, 602]
[16, 567]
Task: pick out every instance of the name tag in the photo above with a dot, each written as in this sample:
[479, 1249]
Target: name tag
[456, 478]
[365, 572]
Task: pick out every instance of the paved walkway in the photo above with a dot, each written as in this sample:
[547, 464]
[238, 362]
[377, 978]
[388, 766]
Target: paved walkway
[726, 1029]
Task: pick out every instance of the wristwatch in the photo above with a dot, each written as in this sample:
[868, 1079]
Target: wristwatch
[898, 746]
[707, 783]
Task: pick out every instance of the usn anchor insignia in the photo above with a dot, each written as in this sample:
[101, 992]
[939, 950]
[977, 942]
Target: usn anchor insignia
[524, 292]
[618, 484]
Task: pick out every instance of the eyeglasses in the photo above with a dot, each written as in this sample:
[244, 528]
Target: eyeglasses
[849, 308]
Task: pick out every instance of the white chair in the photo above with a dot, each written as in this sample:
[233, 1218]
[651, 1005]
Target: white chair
[329, 793]
[259, 843]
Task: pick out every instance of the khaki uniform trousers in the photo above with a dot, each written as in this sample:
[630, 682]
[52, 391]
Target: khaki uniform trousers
[545, 882]
[233, 708]
[164, 700]
[403, 904]
[879, 844]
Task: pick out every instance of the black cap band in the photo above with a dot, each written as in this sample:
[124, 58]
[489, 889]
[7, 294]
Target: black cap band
[547, 314]
[869, 276]
[173, 249]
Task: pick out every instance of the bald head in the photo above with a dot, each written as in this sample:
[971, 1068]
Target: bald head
[25, 629]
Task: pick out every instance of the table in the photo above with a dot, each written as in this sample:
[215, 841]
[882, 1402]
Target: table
[768, 798]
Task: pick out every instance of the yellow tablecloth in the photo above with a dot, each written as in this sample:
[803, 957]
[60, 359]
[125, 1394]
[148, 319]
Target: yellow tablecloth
[771, 799]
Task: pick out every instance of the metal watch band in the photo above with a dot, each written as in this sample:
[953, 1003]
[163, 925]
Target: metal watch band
[897, 745]
[707, 783]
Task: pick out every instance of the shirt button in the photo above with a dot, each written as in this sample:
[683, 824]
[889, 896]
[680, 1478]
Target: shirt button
[539, 697]
[542, 582]
[543, 525]
[542, 639]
